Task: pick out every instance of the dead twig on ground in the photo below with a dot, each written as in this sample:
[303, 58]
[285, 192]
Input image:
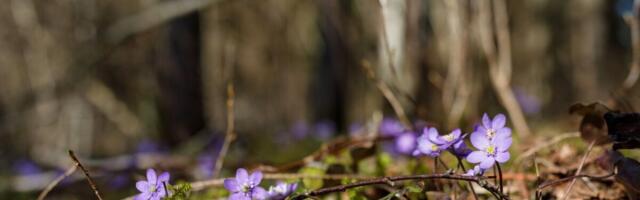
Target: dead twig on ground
[584, 158]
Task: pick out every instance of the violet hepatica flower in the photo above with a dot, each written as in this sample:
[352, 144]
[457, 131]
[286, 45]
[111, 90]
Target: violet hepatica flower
[245, 186]
[493, 128]
[460, 149]
[281, 191]
[154, 187]
[489, 150]
[405, 143]
[446, 141]
[391, 127]
[426, 144]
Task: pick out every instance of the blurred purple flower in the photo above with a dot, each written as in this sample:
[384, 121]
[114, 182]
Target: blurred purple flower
[26, 167]
[206, 163]
[245, 186]
[356, 129]
[405, 143]
[148, 146]
[154, 187]
[489, 150]
[530, 104]
[119, 181]
[391, 127]
[325, 129]
[300, 129]
[426, 146]
[281, 191]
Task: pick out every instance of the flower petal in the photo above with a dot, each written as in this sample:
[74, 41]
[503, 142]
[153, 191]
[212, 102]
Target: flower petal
[239, 196]
[143, 196]
[142, 186]
[456, 133]
[477, 156]
[259, 193]
[151, 176]
[502, 157]
[479, 140]
[503, 132]
[232, 185]
[503, 144]
[433, 134]
[255, 178]
[487, 163]
[164, 177]
[486, 122]
[242, 176]
[498, 121]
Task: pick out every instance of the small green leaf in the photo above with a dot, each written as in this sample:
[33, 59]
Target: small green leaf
[312, 183]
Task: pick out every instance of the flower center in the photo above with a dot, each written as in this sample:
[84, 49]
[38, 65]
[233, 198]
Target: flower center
[434, 147]
[449, 137]
[491, 133]
[491, 150]
[152, 188]
[246, 188]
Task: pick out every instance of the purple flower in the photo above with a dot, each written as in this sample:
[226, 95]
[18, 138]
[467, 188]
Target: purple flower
[493, 128]
[325, 129]
[391, 127]
[446, 141]
[489, 150]
[154, 187]
[245, 186]
[476, 171]
[300, 129]
[281, 191]
[426, 144]
[460, 149]
[405, 143]
[26, 167]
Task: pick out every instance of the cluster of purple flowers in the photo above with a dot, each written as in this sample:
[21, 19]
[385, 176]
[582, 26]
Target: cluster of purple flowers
[490, 138]
[154, 188]
[246, 187]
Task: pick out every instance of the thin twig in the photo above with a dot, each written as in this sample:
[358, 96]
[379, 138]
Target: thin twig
[86, 173]
[555, 182]
[391, 181]
[500, 176]
[469, 184]
[584, 158]
[230, 135]
[388, 94]
[55, 182]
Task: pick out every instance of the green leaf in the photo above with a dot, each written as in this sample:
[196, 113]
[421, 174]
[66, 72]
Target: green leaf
[312, 183]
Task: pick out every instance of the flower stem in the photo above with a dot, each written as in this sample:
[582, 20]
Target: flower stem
[470, 184]
[499, 175]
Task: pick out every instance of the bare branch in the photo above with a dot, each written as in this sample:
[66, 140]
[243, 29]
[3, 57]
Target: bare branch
[86, 173]
[55, 182]
[230, 135]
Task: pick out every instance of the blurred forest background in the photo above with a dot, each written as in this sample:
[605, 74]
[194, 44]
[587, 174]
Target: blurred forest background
[111, 79]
